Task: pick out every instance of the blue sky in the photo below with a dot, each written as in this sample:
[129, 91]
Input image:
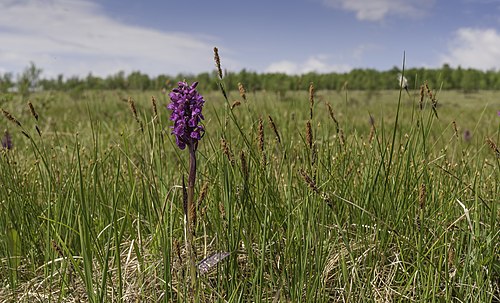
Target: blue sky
[76, 37]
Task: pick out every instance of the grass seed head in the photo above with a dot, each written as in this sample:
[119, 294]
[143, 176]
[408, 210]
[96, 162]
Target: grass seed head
[244, 165]
[32, 110]
[155, 109]
[235, 103]
[309, 136]
[217, 62]
[314, 154]
[273, 126]
[243, 92]
[372, 133]
[332, 115]
[11, 118]
[341, 137]
[455, 130]
[493, 146]
[177, 249]
[309, 181]
[131, 104]
[421, 196]
[227, 151]
[422, 95]
[203, 194]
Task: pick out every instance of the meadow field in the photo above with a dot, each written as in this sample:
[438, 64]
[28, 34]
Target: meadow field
[323, 196]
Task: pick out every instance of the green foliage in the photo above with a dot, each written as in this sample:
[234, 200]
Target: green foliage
[28, 81]
[92, 207]
[468, 80]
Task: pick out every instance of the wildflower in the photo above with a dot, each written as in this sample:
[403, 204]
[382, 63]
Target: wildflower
[467, 135]
[186, 108]
[7, 141]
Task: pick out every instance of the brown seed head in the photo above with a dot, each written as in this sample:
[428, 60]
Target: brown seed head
[57, 248]
[244, 165]
[429, 92]
[309, 181]
[451, 256]
[217, 62]
[155, 109]
[11, 118]
[242, 90]
[203, 194]
[235, 103]
[134, 112]
[372, 133]
[341, 137]
[177, 249]
[332, 115]
[309, 136]
[227, 151]
[314, 154]
[455, 130]
[222, 210]
[132, 107]
[311, 100]
[422, 95]
[421, 196]
[493, 146]
[32, 110]
[433, 99]
[273, 126]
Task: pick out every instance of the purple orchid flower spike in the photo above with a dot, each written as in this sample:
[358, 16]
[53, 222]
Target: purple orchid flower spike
[7, 141]
[186, 105]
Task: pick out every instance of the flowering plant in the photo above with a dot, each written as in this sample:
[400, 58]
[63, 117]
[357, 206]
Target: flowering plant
[186, 105]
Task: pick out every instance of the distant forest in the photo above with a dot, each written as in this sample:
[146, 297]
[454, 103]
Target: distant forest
[446, 77]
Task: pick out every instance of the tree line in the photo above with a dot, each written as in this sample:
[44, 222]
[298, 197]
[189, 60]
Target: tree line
[445, 77]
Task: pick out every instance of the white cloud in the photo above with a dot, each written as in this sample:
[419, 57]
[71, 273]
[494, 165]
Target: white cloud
[317, 64]
[377, 10]
[76, 37]
[475, 48]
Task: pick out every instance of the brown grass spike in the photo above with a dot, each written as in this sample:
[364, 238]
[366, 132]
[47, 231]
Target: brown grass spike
[493, 146]
[32, 110]
[332, 115]
[11, 118]
[217, 62]
[244, 165]
[155, 109]
[227, 151]
[273, 126]
[235, 103]
[421, 196]
[309, 136]
[243, 92]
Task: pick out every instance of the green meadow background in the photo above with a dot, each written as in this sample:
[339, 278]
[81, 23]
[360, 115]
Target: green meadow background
[380, 201]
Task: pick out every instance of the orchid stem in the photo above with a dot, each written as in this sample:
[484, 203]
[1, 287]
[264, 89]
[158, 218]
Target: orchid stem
[191, 213]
